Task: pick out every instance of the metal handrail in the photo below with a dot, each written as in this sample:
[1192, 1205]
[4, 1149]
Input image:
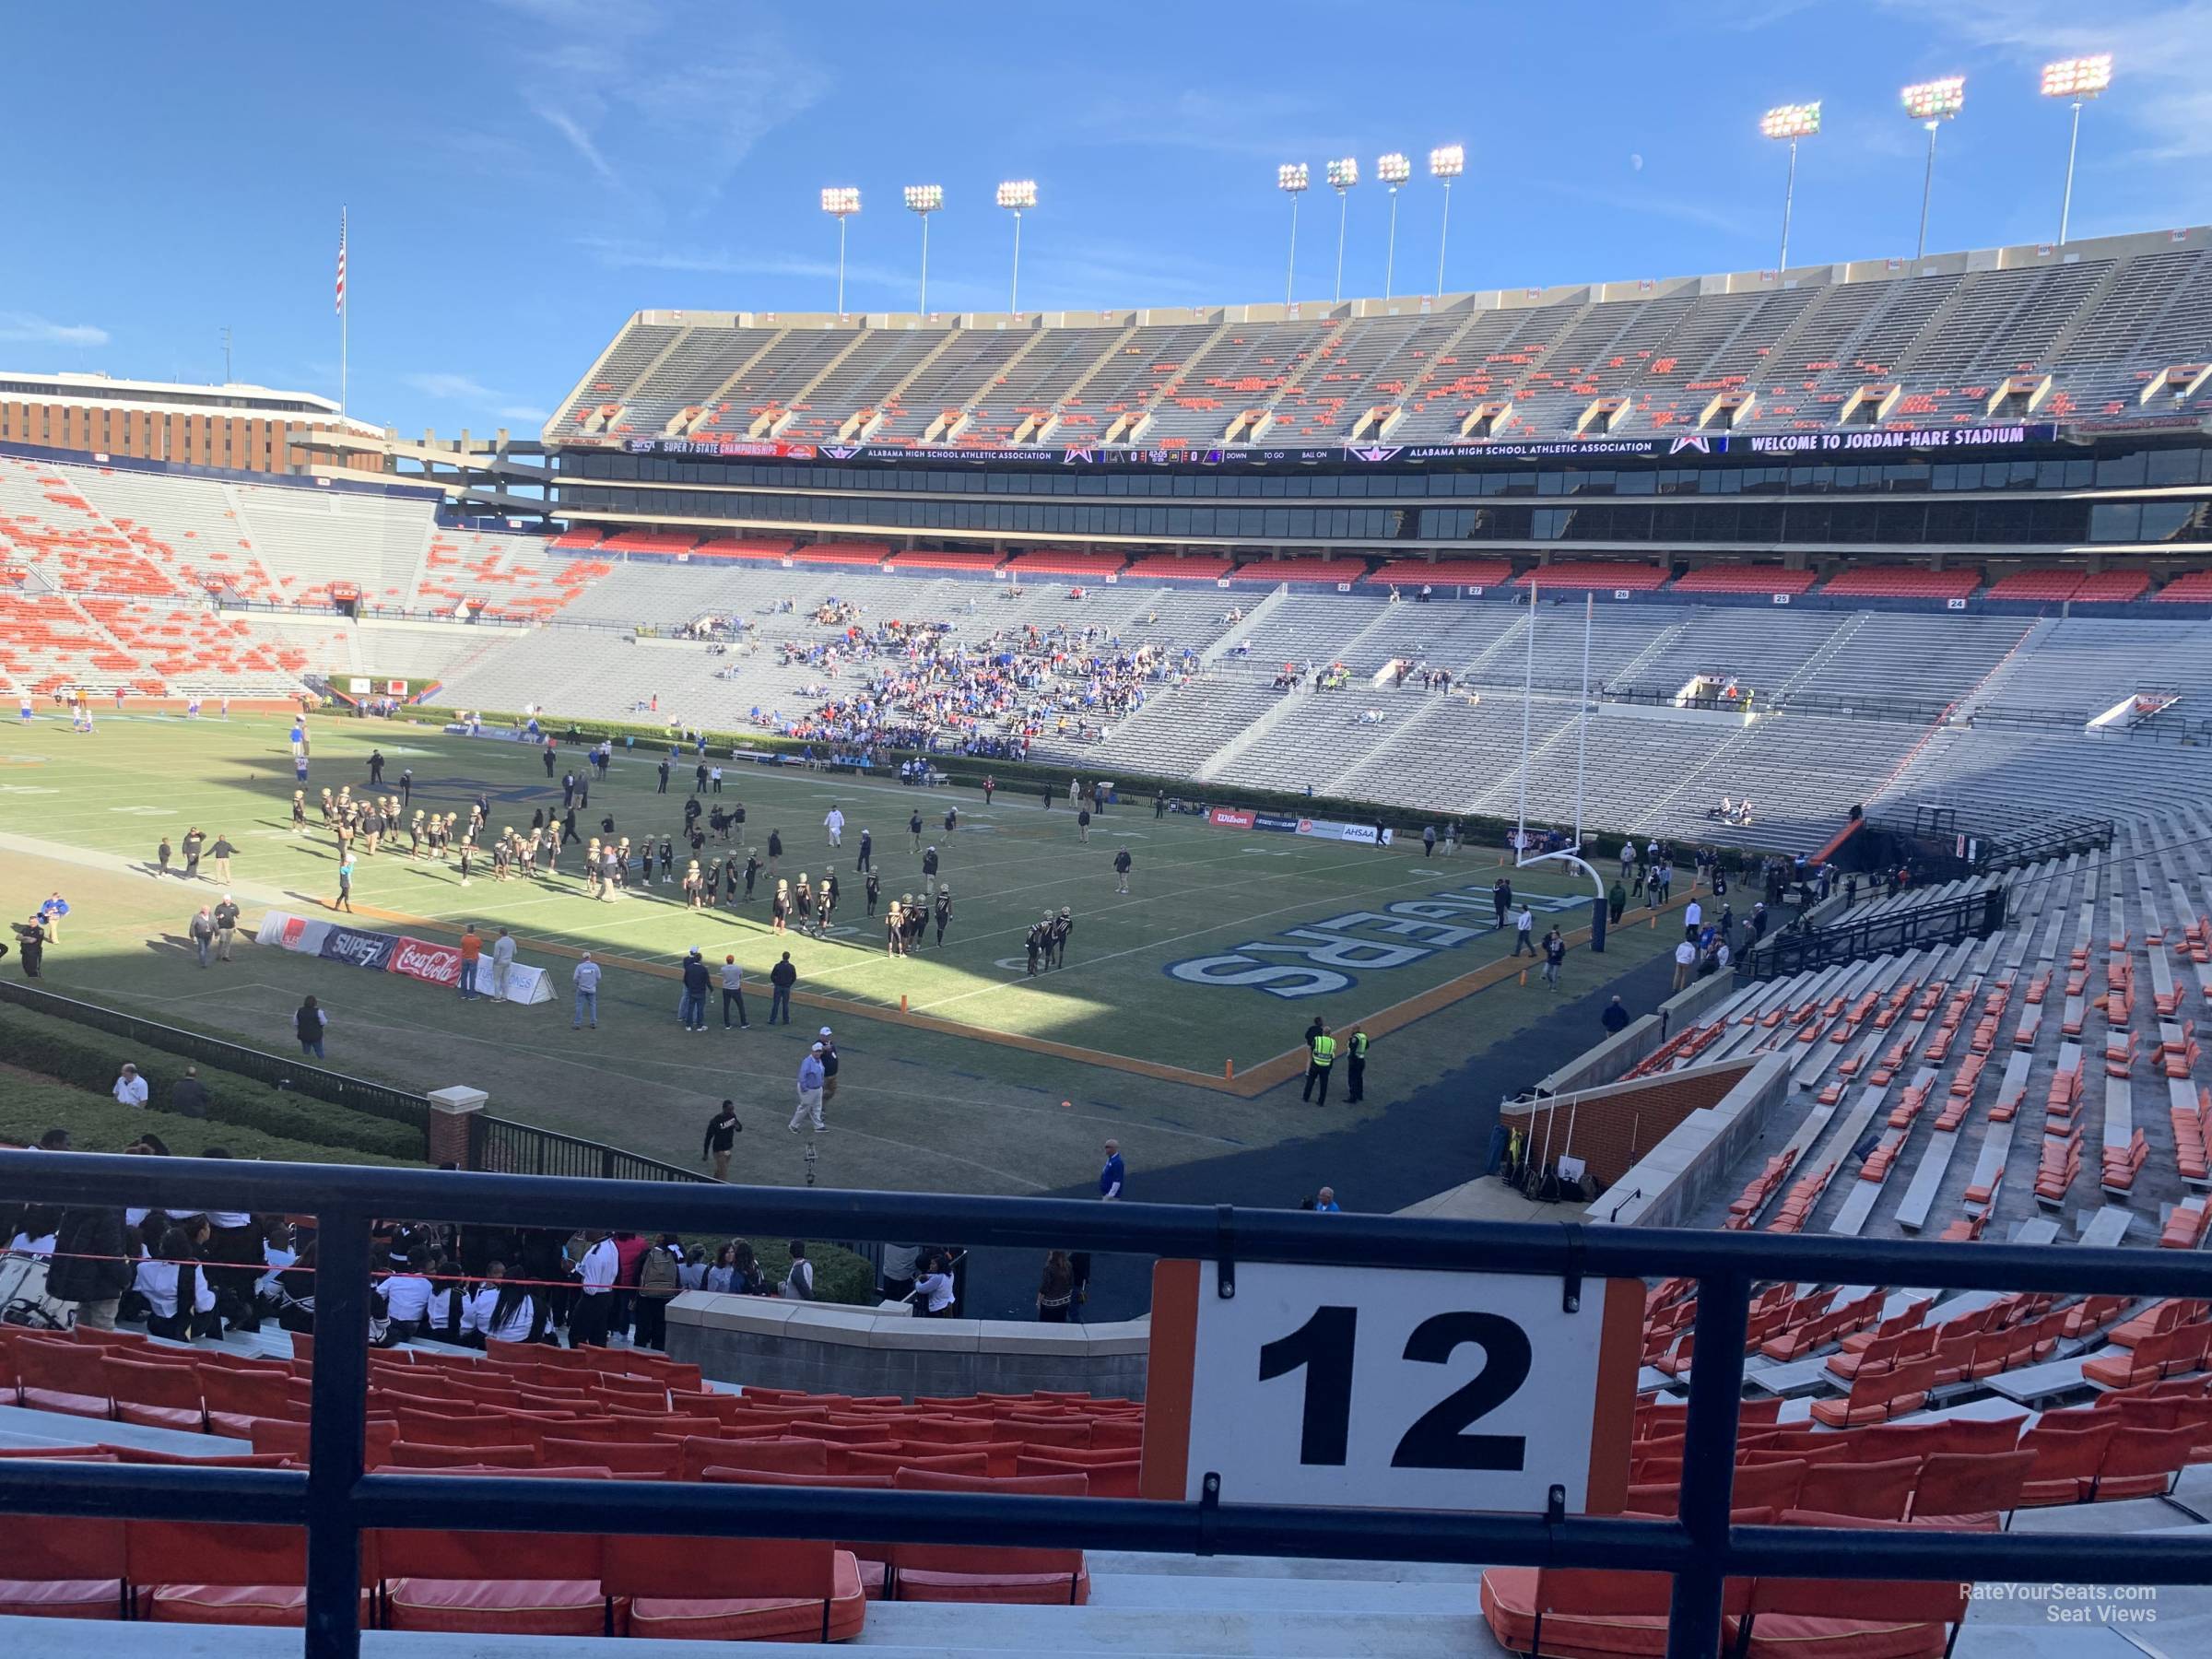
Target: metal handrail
[336, 1500]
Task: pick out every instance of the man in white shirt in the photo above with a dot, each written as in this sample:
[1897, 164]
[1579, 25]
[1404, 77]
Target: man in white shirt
[835, 824]
[1525, 932]
[1686, 963]
[502, 958]
[130, 1088]
[586, 980]
[407, 1299]
[1693, 915]
[595, 1304]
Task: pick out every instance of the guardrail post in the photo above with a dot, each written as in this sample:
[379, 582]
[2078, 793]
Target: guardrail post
[1716, 1388]
[337, 1439]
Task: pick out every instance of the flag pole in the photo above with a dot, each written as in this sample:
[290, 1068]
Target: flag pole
[345, 314]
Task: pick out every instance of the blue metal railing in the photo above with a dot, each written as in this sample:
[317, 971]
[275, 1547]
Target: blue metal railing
[336, 1500]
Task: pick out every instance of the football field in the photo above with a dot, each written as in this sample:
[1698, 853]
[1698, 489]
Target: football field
[1184, 1000]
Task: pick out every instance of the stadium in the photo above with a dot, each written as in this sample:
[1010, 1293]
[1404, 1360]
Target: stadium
[1454, 807]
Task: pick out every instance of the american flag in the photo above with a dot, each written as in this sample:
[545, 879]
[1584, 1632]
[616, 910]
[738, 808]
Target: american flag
[339, 301]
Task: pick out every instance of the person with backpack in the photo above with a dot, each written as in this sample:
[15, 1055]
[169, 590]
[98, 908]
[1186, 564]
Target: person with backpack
[657, 1285]
[798, 1284]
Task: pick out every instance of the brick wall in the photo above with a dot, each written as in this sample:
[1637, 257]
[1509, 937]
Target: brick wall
[1616, 1126]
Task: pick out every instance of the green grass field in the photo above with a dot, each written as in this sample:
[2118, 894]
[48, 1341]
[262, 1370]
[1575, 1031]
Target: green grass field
[1229, 942]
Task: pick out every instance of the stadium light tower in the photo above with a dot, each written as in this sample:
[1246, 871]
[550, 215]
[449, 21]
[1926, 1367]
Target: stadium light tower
[1446, 162]
[1343, 174]
[1394, 170]
[2079, 79]
[1932, 103]
[1791, 122]
[1291, 179]
[1017, 194]
[840, 202]
[923, 200]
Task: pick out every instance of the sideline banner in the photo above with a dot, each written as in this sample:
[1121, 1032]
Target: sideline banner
[1332, 830]
[424, 959]
[1237, 817]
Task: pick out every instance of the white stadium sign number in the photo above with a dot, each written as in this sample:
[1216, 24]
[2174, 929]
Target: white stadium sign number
[1391, 1388]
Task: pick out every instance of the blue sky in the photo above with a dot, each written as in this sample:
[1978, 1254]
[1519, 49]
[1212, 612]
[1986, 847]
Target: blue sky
[522, 174]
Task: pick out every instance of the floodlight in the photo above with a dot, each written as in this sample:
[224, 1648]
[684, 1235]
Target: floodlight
[924, 200]
[1343, 173]
[2078, 78]
[1935, 100]
[1015, 194]
[1393, 168]
[840, 202]
[1292, 176]
[1932, 103]
[1791, 120]
[1446, 162]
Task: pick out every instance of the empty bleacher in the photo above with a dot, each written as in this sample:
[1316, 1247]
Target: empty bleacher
[2098, 321]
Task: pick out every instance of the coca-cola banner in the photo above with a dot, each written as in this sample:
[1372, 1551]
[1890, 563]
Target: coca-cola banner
[423, 959]
[433, 964]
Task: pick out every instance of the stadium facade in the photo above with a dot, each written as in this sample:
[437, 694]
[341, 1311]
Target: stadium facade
[2032, 403]
[231, 428]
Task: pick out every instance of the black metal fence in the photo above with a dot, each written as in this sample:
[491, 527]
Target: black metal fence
[336, 1500]
[502, 1147]
[358, 1094]
[1922, 927]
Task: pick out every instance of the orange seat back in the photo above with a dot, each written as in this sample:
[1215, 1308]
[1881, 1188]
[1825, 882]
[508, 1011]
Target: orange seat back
[780, 1456]
[194, 1552]
[1969, 1483]
[693, 1568]
[663, 1463]
[1874, 1491]
[980, 1558]
[890, 1463]
[407, 1454]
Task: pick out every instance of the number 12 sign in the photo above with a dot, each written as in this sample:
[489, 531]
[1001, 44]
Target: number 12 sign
[1391, 1388]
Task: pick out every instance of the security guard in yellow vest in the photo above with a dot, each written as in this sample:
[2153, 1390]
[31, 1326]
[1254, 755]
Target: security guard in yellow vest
[1356, 1051]
[1320, 1057]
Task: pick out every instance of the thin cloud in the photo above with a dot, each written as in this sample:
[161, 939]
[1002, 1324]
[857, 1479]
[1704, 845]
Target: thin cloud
[526, 412]
[22, 326]
[624, 86]
[947, 293]
[1261, 126]
[452, 388]
[578, 140]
